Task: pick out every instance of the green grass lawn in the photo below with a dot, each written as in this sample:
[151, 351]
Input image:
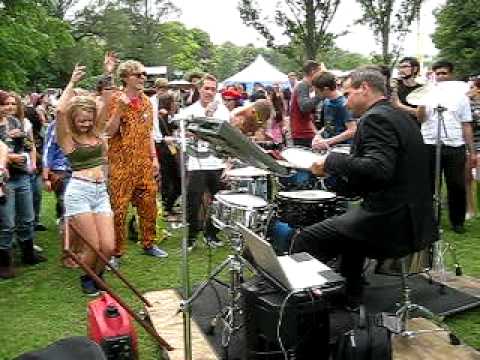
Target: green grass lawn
[44, 303]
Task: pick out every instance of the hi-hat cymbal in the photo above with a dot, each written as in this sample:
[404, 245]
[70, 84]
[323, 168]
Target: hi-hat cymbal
[446, 93]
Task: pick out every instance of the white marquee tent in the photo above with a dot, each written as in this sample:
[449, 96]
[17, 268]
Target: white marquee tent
[258, 71]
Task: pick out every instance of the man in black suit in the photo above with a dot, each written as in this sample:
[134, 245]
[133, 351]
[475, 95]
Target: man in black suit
[388, 168]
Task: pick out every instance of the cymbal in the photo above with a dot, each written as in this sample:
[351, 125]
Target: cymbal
[446, 93]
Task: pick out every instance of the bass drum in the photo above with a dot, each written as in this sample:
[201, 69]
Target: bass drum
[304, 208]
[280, 235]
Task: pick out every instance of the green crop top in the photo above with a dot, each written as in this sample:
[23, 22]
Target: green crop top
[86, 156]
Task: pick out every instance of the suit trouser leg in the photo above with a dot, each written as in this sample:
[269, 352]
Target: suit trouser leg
[214, 185]
[196, 188]
[144, 199]
[454, 159]
[323, 240]
[170, 176]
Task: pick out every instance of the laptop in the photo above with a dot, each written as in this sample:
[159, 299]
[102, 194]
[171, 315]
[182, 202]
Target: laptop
[295, 272]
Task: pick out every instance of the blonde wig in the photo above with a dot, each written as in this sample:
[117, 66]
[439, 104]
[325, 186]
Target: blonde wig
[127, 68]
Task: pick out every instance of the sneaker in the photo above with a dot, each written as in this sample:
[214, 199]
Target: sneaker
[37, 248]
[212, 241]
[89, 287]
[156, 252]
[114, 263]
[191, 245]
[40, 227]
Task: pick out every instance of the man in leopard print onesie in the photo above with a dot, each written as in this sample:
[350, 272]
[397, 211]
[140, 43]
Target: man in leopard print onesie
[132, 160]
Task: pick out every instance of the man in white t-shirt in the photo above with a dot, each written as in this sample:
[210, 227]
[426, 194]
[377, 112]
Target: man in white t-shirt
[457, 142]
[204, 169]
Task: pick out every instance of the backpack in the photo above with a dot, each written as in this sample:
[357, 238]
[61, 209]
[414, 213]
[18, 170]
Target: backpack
[370, 340]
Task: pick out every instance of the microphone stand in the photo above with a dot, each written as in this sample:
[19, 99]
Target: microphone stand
[439, 248]
[185, 307]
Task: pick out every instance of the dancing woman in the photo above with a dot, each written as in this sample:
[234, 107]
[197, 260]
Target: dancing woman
[87, 205]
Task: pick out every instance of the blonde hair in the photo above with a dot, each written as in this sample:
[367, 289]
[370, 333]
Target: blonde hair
[80, 103]
[128, 67]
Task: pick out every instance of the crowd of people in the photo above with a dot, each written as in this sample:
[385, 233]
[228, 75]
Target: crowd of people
[102, 151]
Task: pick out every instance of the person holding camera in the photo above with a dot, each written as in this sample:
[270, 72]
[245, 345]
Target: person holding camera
[16, 211]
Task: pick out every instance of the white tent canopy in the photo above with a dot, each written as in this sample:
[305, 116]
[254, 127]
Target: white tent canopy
[258, 71]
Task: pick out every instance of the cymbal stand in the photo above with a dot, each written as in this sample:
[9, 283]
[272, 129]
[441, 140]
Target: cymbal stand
[229, 315]
[184, 306]
[441, 246]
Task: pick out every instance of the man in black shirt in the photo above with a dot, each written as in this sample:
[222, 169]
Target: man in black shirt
[408, 69]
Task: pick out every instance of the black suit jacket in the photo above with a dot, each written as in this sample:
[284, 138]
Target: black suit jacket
[388, 168]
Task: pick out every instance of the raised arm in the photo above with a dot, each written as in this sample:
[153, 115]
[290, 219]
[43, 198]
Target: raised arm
[63, 128]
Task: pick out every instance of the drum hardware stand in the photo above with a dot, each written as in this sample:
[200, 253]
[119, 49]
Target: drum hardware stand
[235, 263]
[439, 248]
[185, 307]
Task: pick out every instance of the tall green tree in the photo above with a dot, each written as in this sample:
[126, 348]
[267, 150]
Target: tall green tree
[336, 58]
[304, 22]
[458, 34]
[390, 22]
[28, 38]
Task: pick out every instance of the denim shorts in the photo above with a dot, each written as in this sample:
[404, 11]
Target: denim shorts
[82, 196]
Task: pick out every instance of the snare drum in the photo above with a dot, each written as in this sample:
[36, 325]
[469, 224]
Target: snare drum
[231, 208]
[304, 208]
[250, 180]
[301, 158]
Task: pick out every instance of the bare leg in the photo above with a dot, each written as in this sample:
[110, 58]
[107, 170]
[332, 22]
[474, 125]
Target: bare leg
[105, 229]
[86, 226]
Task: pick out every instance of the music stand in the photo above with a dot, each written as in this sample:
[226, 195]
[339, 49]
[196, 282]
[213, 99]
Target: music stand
[228, 140]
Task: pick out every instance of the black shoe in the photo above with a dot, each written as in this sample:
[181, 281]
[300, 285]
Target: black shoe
[89, 287]
[459, 229]
[40, 227]
[29, 255]
[212, 241]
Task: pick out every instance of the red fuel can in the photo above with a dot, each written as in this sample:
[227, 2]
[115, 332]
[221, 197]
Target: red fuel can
[111, 327]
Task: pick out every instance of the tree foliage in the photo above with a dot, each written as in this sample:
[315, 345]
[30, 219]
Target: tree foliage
[304, 22]
[29, 38]
[336, 58]
[390, 22]
[40, 46]
[458, 34]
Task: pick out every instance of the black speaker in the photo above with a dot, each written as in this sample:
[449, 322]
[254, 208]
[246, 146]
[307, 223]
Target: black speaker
[73, 348]
[305, 327]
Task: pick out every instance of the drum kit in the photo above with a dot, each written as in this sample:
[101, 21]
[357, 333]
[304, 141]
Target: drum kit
[276, 206]
[273, 198]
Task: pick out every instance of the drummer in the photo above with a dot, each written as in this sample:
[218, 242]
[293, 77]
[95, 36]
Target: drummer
[338, 124]
[252, 119]
[388, 168]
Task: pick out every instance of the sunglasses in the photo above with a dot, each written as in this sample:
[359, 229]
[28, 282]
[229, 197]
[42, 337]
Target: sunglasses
[140, 74]
[440, 73]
